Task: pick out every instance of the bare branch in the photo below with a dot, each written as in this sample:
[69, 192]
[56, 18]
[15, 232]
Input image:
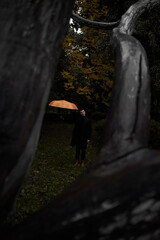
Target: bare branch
[94, 24]
[128, 20]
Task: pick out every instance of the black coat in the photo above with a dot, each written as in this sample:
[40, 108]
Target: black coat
[81, 132]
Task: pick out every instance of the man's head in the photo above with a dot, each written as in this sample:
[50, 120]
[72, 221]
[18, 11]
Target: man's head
[82, 112]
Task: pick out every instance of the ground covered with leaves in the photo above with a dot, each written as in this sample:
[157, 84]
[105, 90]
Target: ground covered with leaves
[53, 167]
[52, 170]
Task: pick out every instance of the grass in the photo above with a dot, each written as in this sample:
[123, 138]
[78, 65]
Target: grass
[53, 167]
[52, 170]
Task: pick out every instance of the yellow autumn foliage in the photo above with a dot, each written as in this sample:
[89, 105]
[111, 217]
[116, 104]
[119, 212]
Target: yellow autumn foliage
[90, 69]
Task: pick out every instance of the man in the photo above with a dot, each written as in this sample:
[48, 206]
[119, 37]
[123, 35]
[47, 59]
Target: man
[81, 136]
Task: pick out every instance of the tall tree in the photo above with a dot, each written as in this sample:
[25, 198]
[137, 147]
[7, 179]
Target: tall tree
[147, 31]
[31, 37]
[90, 70]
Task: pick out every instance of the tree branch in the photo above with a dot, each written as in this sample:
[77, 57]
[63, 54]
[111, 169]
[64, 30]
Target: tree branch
[94, 24]
[131, 92]
[129, 19]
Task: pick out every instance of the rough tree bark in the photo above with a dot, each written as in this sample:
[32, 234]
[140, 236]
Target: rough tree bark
[31, 36]
[119, 196]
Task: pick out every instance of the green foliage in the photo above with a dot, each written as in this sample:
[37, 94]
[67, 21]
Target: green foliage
[52, 170]
[98, 115]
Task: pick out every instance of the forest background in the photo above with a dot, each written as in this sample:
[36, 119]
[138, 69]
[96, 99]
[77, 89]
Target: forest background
[85, 71]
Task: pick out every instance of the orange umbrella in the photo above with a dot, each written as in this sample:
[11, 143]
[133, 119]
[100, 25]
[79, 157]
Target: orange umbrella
[63, 104]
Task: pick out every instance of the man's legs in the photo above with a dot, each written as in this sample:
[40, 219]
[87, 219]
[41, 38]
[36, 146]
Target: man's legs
[77, 155]
[83, 155]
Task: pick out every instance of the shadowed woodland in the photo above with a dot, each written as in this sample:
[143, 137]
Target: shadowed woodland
[118, 197]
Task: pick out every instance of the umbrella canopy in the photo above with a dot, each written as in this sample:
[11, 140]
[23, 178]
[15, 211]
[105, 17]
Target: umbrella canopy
[63, 104]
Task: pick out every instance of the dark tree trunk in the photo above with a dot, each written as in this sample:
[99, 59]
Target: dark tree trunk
[31, 35]
[119, 197]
